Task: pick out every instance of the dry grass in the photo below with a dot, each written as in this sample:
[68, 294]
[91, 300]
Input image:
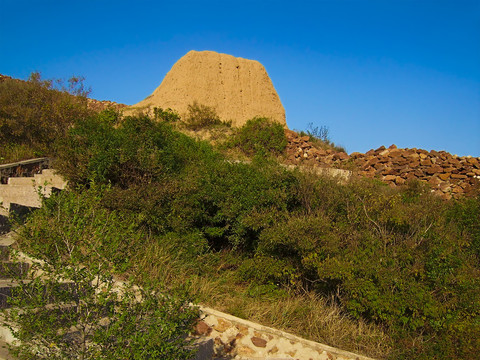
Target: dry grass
[307, 315]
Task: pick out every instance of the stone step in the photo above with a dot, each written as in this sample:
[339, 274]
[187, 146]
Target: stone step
[6, 286]
[50, 177]
[23, 190]
[21, 181]
[11, 269]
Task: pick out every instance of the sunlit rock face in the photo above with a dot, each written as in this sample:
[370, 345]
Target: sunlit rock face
[238, 89]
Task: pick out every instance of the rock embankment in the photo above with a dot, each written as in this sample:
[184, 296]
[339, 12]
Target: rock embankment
[238, 89]
[448, 175]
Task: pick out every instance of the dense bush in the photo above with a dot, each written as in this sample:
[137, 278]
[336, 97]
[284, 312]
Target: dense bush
[390, 259]
[260, 135]
[138, 150]
[34, 113]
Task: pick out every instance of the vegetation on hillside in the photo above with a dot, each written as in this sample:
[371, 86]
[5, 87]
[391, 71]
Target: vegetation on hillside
[35, 112]
[397, 269]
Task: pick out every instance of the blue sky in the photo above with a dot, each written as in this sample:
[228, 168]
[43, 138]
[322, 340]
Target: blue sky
[374, 72]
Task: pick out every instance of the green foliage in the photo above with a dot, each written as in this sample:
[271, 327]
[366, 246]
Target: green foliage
[138, 150]
[167, 115]
[69, 222]
[466, 214]
[403, 259]
[63, 322]
[201, 116]
[260, 135]
[74, 312]
[389, 257]
[34, 113]
[241, 200]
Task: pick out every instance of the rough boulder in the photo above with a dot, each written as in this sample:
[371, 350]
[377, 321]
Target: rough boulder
[238, 89]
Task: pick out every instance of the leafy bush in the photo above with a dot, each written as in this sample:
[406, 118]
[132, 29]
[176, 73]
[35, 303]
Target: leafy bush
[260, 135]
[389, 258]
[138, 150]
[466, 214]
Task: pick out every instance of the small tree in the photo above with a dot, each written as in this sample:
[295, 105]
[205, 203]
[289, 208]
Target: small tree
[68, 305]
[321, 135]
[167, 115]
[74, 312]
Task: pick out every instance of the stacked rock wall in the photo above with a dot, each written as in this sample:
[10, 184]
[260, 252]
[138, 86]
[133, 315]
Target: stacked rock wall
[448, 175]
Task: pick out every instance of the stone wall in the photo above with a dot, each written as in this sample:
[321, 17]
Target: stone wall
[226, 336]
[448, 175]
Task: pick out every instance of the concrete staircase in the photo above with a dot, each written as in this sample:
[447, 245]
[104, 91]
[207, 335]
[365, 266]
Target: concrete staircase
[25, 190]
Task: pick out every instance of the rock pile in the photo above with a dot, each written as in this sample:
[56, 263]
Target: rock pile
[238, 89]
[448, 175]
[302, 149]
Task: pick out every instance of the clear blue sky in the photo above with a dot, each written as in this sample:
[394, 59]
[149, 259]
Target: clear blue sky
[374, 72]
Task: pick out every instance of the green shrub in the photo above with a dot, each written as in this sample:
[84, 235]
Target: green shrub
[260, 135]
[69, 223]
[138, 150]
[201, 116]
[466, 214]
[167, 115]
